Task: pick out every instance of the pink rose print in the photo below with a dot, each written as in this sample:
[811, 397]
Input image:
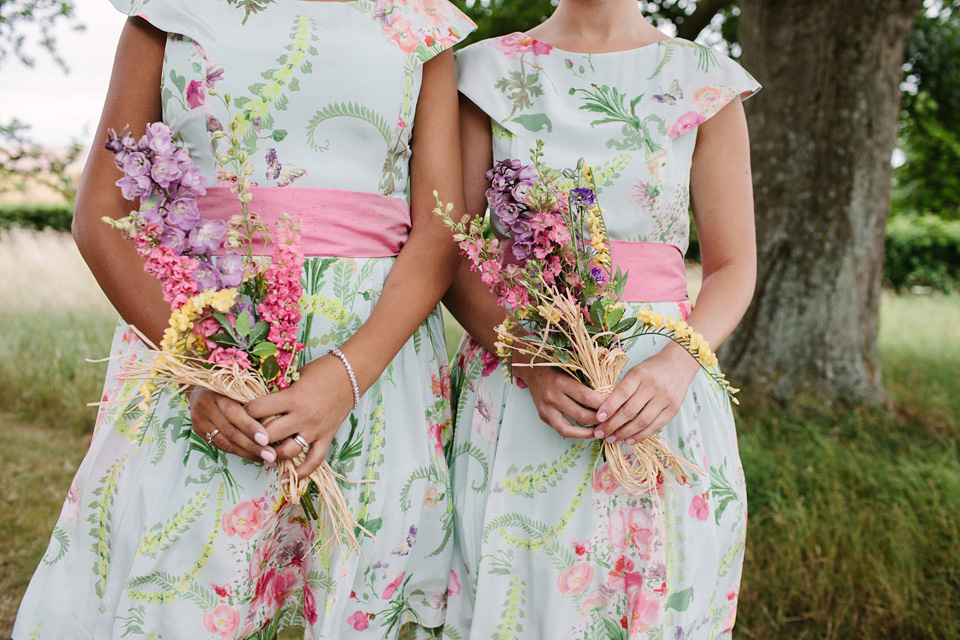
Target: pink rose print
[582, 549]
[630, 528]
[603, 480]
[245, 520]
[687, 122]
[576, 579]
[195, 94]
[309, 605]
[359, 620]
[732, 614]
[392, 587]
[644, 612]
[222, 621]
[453, 585]
[596, 601]
[518, 43]
[699, 508]
[281, 587]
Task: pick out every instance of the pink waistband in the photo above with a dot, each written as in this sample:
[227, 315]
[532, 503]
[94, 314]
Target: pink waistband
[347, 224]
[655, 271]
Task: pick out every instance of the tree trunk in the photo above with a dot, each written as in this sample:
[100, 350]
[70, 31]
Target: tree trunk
[823, 131]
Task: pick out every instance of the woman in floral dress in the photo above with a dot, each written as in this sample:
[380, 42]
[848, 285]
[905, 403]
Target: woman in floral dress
[174, 526]
[547, 544]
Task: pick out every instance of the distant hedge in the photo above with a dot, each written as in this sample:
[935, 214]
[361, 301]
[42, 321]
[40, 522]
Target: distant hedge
[40, 216]
[922, 250]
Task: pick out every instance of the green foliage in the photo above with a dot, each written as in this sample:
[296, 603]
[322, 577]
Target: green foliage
[37, 216]
[923, 250]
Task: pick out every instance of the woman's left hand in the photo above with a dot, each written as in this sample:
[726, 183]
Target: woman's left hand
[314, 407]
[647, 398]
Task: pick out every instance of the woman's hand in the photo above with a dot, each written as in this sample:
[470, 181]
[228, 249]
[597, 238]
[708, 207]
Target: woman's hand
[648, 397]
[313, 407]
[560, 397]
[234, 431]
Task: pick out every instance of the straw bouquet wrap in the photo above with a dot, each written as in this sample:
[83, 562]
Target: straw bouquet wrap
[234, 321]
[554, 276]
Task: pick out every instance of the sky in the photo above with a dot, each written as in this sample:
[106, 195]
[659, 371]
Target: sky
[62, 107]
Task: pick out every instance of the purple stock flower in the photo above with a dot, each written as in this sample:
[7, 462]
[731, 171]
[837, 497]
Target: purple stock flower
[151, 216]
[231, 269]
[207, 276]
[583, 196]
[113, 144]
[158, 138]
[165, 170]
[597, 274]
[174, 238]
[192, 182]
[133, 163]
[183, 213]
[207, 236]
[134, 187]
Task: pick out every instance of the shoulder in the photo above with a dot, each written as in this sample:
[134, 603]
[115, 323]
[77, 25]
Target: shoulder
[182, 17]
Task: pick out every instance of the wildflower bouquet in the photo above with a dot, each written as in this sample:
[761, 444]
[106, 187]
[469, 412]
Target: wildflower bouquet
[554, 276]
[234, 320]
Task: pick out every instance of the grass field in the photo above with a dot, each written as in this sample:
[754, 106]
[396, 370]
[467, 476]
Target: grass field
[855, 513]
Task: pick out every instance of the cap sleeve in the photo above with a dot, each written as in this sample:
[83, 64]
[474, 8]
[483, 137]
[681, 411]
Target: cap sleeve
[172, 16]
[481, 68]
[709, 82]
[425, 28]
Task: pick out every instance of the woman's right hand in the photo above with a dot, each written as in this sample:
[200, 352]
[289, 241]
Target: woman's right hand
[559, 397]
[235, 432]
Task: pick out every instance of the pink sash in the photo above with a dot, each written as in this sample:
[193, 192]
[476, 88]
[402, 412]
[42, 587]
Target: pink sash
[346, 224]
[655, 271]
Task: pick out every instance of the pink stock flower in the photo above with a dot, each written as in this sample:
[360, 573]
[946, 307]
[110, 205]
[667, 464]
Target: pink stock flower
[596, 601]
[400, 31]
[687, 122]
[436, 434]
[227, 357]
[359, 620]
[731, 618]
[576, 579]
[699, 507]
[644, 611]
[630, 527]
[622, 577]
[309, 605]
[195, 94]
[393, 586]
[221, 621]
[604, 481]
[516, 44]
[245, 520]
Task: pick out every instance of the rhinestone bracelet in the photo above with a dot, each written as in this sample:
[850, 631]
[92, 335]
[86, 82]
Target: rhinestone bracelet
[350, 373]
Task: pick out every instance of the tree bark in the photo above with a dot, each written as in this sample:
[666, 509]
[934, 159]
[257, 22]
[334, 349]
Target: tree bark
[823, 131]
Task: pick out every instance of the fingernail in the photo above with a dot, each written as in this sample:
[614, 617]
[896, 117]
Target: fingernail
[262, 439]
[630, 440]
[284, 479]
[601, 416]
[598, 434]
[268, 455]
[611, 440]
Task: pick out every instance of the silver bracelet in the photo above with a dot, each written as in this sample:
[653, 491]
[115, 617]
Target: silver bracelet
[350, 373]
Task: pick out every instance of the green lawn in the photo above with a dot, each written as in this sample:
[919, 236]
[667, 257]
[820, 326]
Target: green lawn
[855, 513]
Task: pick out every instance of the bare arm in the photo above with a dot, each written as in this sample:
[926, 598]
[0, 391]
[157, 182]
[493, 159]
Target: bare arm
[320, 401]
[469, 300]
[133, 99]
[651, 393]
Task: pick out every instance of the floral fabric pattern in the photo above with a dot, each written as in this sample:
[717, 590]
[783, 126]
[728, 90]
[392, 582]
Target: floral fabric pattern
[164, 536]
[545, 536]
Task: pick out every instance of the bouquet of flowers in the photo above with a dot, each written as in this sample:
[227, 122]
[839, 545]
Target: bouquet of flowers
[234, 321]
[563, 297]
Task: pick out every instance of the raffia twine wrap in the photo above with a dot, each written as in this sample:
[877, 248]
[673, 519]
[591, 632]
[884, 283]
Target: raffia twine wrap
[337, 523]
[636, 468]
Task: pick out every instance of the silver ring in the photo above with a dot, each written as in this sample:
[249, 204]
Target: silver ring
[299, 439]
[211, 436]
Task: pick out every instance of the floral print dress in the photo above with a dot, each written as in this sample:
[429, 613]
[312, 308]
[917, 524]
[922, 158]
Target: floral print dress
[163, 536]
[547, 544]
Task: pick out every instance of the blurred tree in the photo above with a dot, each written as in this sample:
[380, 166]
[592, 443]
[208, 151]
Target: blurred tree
[929, 180]
[23, 162]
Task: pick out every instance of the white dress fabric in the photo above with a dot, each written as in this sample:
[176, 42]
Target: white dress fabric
[547, 545]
